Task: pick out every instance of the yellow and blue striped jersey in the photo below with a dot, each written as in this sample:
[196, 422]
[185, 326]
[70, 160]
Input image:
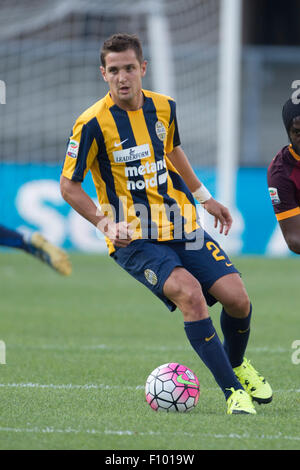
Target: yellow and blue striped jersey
[126, 152]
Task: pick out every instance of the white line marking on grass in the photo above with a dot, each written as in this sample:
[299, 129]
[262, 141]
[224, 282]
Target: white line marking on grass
[106, 387]
[58, 347]
[53, 430]
[117, 348]
[70, 386]
[268, 350]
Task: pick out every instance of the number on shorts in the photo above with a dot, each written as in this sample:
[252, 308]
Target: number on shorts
[216, 250]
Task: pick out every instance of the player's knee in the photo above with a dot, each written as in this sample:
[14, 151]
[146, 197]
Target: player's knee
[239, 306]
[185, 291]
[192, 303]
[192, 298]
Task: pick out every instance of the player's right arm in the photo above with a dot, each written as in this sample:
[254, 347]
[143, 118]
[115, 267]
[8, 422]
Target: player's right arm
[81, 153]
[80, 201]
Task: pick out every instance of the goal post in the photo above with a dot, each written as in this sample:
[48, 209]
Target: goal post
[228, 129]
[160, 48]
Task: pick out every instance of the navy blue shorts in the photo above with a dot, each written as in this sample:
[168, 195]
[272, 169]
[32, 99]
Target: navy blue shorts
[151, 263]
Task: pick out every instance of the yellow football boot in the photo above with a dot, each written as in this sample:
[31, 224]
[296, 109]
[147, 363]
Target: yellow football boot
[254, 384]
[50, 254]
[240, 402]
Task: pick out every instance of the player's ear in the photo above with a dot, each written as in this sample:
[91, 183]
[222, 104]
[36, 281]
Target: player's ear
[103, 73]
[144, 67]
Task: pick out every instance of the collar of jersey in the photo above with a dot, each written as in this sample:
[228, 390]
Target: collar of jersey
[293, 153]
[110, 102]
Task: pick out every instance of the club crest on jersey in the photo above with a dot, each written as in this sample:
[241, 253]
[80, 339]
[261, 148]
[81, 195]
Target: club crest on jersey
[160, 130]
[150, 276]
[274, 195]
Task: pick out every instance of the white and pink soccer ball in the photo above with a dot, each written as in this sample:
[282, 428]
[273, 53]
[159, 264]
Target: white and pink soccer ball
[172, 387]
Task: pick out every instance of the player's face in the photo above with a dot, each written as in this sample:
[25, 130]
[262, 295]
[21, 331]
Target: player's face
[295, 134]
[123, 73]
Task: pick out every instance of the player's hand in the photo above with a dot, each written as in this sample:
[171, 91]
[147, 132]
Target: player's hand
[120, 234]
[221, 215]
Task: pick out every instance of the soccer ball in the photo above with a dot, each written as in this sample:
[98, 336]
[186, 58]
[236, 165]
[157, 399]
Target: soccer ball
[172, 387]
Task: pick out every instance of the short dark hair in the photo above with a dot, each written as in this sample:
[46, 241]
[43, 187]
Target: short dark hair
[290, 111]
[120, 42]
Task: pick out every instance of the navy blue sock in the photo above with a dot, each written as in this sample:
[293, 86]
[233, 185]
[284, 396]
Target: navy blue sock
[205, 341]
[236, 333]
[12, 239]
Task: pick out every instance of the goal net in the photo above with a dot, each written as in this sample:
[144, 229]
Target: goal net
[49, 63]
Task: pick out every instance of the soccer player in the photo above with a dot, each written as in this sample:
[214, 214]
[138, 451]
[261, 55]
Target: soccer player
[146, 188]
[36, 245]
[284, 179]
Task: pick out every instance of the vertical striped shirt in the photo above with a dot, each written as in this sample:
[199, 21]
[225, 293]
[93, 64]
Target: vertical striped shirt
[126, 152]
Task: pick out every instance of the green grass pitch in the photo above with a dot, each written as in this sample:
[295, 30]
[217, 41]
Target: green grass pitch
[79, 350]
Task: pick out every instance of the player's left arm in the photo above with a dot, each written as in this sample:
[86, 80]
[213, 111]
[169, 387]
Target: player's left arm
[180, 161]
[221, 214]
[282, 191]
[290, 228]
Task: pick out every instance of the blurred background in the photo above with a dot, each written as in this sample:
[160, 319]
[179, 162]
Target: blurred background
[229, 64]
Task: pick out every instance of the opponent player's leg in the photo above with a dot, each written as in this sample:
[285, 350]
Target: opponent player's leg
[235, 319]
[37, 246]
[183, 289]
[12, 239]
[50, 254]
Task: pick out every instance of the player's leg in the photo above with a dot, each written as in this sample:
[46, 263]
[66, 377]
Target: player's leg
[50, 254]
[12, 239]
[185, 292]
[235, 319]
[159, 268]
[37, 246]
[183, 289]
[235, 324]
[221, 281]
